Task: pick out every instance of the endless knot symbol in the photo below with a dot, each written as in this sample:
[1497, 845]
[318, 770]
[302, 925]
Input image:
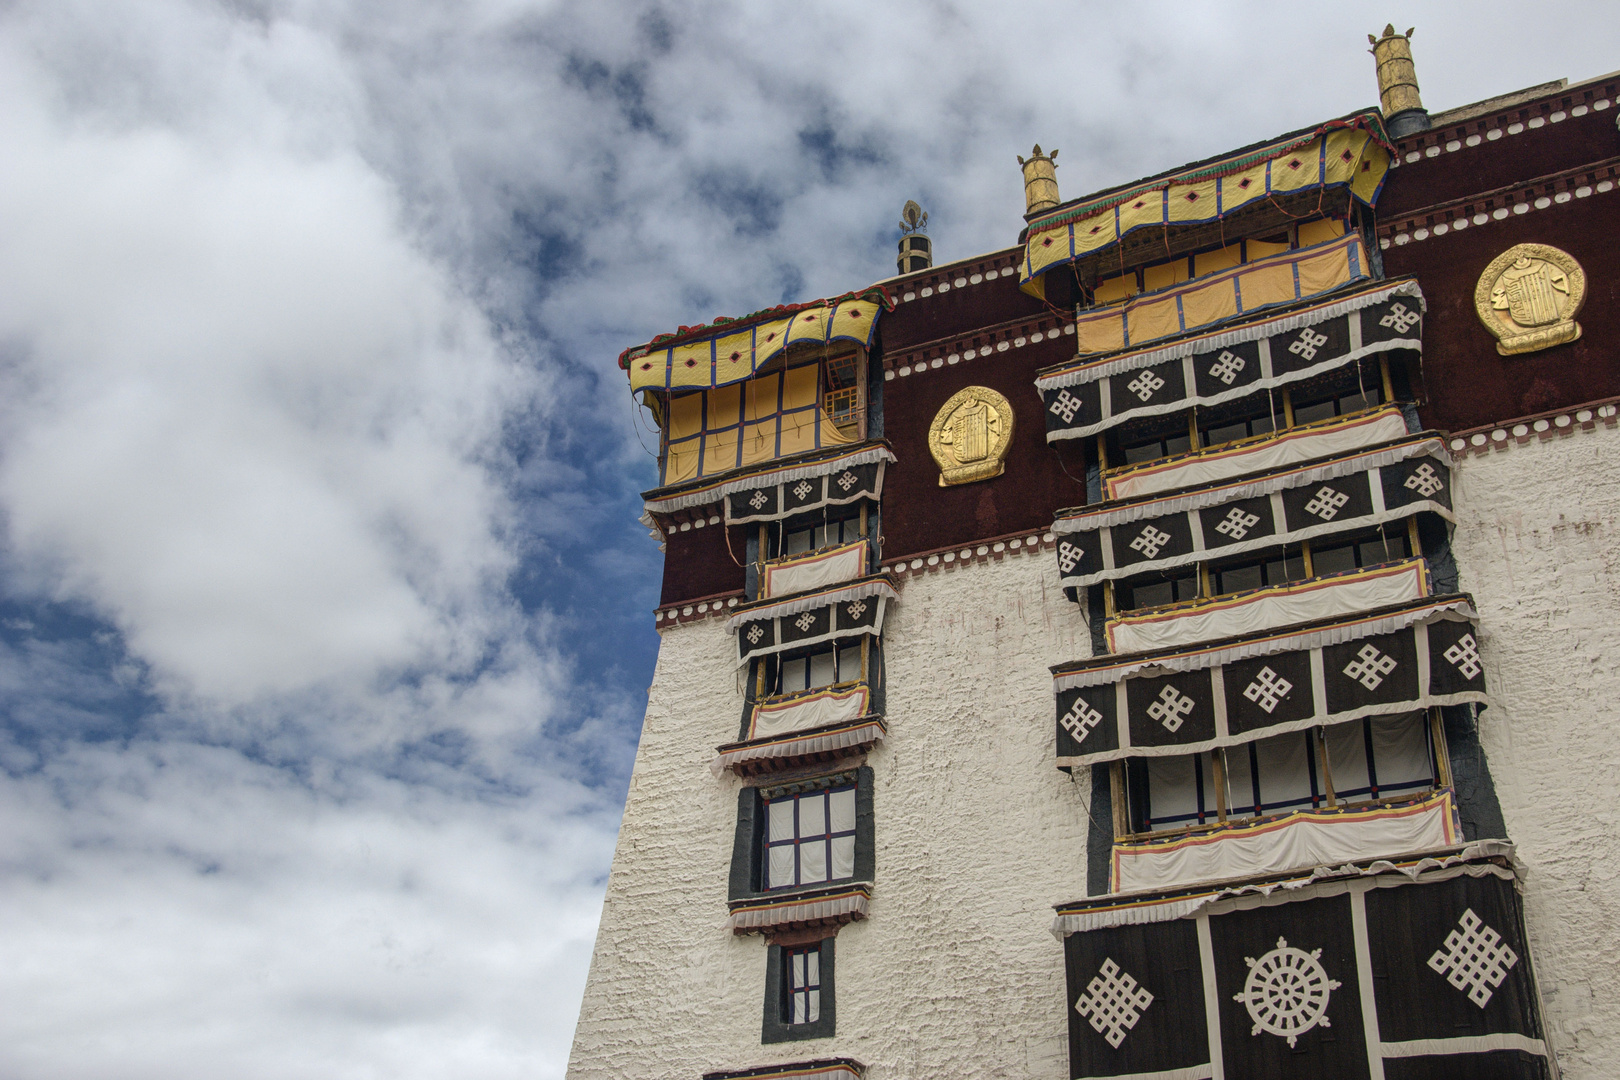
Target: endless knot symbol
[805, 621]
[1080, 719]
[1424, 480]
[1309, 341]
[755, 632]
[1065, 405]
[1237, 523]
[1399, 319]
[1113, 1002]
[1069, 556]
[1465, 656]
[1287, 992]
[1326, 503]
[847, 481]
[1474, 958]
[1369, 667]
[1171, 708]
[1149, 541]
[856, 608]
[801, 489]
[1227, 366]
[1267, 689]
[759, 500]
[1144, 385]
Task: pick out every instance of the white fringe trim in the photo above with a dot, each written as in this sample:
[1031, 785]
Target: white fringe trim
[1362, 461]
[802, 911]
[814, 600]
[838, 740]
[1253, 331]
[1428, 870]
[766, 479]
[1207, 658]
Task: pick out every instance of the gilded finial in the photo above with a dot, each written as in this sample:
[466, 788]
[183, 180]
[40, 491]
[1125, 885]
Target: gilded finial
[913, 218]
[916, 250]
[1397, 82]
[1040, 181]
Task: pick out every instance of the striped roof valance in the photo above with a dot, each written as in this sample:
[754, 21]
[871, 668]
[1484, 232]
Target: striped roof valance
[732, 350]
[1352, 152]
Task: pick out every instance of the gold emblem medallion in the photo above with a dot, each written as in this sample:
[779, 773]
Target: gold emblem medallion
[1529, 296]
[970, 436]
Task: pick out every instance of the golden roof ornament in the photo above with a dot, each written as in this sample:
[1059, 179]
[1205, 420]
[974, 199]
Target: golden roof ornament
[1397, 83]
[916, 250]
[1528, 298]
[970, 436]
[1040, 181]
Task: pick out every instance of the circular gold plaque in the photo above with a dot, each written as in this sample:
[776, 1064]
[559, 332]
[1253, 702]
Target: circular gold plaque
[1529, 296]
[970, 436]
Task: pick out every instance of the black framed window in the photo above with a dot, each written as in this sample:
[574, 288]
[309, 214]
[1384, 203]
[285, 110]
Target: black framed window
[1330, 555]
[1256, 571]
[799, 991]
[832, 663]
[799, 835]
[1156, 590]
[831, 526]
[810, 838]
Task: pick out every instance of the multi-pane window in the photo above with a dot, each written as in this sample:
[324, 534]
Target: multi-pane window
[842, 402]
[1257, 571]
[824, 667]
[802, 986]
[1331, 555]
[1374, 758]
[810, 838]
[1337, 405]
[1156, 590]
[809, 536]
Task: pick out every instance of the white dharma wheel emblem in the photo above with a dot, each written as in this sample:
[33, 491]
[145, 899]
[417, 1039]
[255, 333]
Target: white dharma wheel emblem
[1287, 992]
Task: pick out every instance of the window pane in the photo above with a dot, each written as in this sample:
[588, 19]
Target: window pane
[1148, 452]
[1154, 595]
[843, 810]
[1238, 579]
[1262, 424]
[1311, 413]
[1347, 758]
[1229, 433]
[800, 1008]
[1239, 784]
[813, 815]
[1172, 791]
[813, 1012]
[1333, 560]
[781, 819]
[780, 870]
[1285, 772]
[843, 858]
[821, 669]
[798, 970]
[795, 675]
[812, 961]
[1178, 445]
[798, 541]
[849, 663]
[1376, 551]
[1401, 753]
[812, 861]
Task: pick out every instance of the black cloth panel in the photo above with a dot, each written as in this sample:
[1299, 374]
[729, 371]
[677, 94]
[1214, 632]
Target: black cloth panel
[1496, 1065]
[853, 614]
[807, 624]
[1171, 710]
[1257, 941]
[758, 634]
[1073, 406]
[1376, 670]
[1419, 479]
[1086, 721]
[1231, 523]
[1079, 554]
[754, 502]
[1407, 933]
[1308, 346]
[1454, 661]
[1268, 690]
[1158, 538]
[1123, 966]
[1343, 498]
[803, 494]
[1400, 317]
[1161, 384]
[1227, 368]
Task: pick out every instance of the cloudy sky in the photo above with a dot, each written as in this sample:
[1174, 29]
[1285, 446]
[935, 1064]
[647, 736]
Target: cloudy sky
[324, 617]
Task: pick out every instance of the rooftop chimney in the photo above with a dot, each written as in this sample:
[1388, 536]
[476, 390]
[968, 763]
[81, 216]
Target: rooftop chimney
[1040, 182]
[1397, 83]
[916, 251]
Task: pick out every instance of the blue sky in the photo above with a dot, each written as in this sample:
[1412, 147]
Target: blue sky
[324, 614]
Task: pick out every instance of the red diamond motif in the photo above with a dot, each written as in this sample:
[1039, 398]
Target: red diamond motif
[1095, 229]
[771, 336]
[690, 362]
[1047, 242]
[1245, 182]
[1139, 204]
[855, 313]
[1348, 156]
[1192, 196]
[1295, 164]
[736, 356]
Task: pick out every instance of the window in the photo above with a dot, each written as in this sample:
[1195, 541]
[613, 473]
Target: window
[842, 403]
[824, 667]
[810, 838]
[1276, 567]
[807, 834]
[799, 988]
[1366, 548]
[1162, 275]
[1155, 590]
[1337, 405]
[1374, 758]
[804, 536]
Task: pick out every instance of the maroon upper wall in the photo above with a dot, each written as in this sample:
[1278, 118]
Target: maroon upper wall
[697, 564]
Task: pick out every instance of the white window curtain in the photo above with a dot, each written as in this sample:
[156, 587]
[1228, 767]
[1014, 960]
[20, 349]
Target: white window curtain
[810, 838]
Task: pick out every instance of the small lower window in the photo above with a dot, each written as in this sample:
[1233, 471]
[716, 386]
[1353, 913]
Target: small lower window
[799, 989]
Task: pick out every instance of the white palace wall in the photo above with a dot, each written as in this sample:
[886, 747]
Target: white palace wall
[955, 973]
[1538, 545]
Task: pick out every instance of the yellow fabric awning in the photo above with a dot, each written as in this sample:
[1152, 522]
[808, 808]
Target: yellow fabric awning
[1353, 152]
[719, 355]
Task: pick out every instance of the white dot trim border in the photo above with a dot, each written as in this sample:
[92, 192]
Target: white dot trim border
[1543, 427]
[1579, 184]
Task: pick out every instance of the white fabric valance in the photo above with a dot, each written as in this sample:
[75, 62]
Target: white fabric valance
[816, 570]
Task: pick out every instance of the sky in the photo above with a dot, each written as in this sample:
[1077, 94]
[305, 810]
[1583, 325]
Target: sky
[325, 620]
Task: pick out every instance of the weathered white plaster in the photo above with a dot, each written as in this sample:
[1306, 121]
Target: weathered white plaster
[956, 972]
[1538, 544]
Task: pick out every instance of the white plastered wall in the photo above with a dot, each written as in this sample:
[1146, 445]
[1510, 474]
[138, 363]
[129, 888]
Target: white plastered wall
[956, 972]
[1538, 545]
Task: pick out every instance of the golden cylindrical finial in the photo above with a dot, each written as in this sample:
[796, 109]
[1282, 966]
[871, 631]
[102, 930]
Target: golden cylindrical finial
[1397, 77]
[1040, 181]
